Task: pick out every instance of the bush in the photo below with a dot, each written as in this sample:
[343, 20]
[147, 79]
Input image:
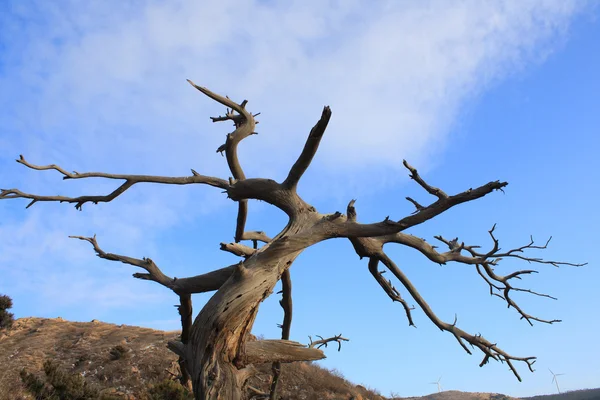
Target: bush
[169, 389]
[59, 385]
[6, 318]
[119, 352]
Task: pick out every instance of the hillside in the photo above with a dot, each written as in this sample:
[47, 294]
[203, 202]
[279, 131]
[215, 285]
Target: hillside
[587, 394]
[88, 349]
[85, 348]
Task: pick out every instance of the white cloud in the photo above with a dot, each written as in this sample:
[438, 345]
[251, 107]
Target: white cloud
[394, 73]
[100, 86]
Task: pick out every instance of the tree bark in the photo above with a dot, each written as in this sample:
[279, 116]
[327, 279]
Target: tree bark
[216, 352]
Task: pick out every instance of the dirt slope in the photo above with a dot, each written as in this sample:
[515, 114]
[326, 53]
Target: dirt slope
[88, 348]
[85, 348]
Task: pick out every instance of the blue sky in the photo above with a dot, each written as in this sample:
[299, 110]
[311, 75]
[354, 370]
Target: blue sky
[466, 91]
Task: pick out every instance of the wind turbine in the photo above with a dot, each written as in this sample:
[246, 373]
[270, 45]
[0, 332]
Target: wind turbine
[438, 384]
[554, 379]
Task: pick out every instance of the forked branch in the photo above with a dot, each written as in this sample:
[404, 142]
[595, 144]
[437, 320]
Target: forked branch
[389, 288]
[322, 342]
[439, 193]
[372, 247]
[306, 227]
[197, 284]
[338, 225]
[244, 126]
[500, 286]
[490, 350]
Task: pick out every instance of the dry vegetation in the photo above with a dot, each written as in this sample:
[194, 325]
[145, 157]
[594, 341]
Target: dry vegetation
[586, 394]
[86, 348]
[456, 395]
[124, 361]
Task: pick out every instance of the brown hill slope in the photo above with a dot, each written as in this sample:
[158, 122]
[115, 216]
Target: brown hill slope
[456, 395]
[90, 349]
[586, 394]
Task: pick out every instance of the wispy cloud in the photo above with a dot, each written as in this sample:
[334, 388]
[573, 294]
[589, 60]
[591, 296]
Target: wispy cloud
[100, 86]
[394, 73]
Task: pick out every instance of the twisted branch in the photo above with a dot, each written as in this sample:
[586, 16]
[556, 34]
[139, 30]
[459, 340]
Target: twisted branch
[490, 350]
[372, 247]
[244, 126]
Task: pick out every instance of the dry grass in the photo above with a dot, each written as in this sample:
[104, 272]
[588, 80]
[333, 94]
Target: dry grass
[86, 348]
[125, 360]
[309, 381]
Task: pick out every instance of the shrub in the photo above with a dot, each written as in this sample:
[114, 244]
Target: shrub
[6, 318]
[119, 352]
[59, 385]
[168, 389]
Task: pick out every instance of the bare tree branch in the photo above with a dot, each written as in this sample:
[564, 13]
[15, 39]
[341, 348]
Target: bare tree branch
[130, 180]
[256, 235]
[489, 349]
[484, 262]
[154, 273]
[389, 289]
[185, 311]
[337, 225]
[215, 349]
[240, 108]
[241, 219]
[285, 351]
[417, 178]
[245, 124]
[238, 249]
[323, 341]
[416, 204]
[372, 247]
[197, 284]
[286, 304]
[309, 151]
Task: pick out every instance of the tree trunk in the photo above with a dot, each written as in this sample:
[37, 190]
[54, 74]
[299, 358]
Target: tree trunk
[218, 360]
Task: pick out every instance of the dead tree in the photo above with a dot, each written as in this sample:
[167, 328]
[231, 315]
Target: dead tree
[215, 349]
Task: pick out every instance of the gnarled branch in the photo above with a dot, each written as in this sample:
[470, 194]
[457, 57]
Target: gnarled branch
[215, 348]
[372, 247]
[490, 350]
[499, 285]
[244, 126]
[130, 180]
